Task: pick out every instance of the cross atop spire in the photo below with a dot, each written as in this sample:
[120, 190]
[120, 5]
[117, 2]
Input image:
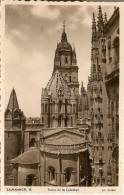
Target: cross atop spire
[64, 22]
[64, 36]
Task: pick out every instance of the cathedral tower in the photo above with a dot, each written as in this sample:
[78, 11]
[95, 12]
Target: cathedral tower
[14, 126]
[98, 101]
[66, 62]
[59, 100]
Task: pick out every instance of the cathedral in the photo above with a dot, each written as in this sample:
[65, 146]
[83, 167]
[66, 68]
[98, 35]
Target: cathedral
[75, 141]
[53, 150]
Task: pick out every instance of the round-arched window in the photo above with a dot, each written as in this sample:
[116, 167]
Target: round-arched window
[68, 175]
[16, 114]
[30, 180]
[51, 174]
[32, 142]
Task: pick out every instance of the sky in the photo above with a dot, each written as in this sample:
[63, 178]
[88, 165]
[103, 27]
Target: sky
[31, 36]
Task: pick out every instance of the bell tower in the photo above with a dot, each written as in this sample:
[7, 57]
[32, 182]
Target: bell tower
[14, 126]
[66, 62]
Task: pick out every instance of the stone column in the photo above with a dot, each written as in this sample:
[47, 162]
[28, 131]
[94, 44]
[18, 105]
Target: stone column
[60, 170]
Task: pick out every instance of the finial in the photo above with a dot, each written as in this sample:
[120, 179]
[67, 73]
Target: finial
[100, 22]
[93, 22]
[100, 12]
[105, 17]
[64, 25]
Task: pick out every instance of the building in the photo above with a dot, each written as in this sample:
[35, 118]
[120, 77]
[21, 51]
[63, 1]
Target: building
[112, 87]
[59, 100]
[56, 147]
[14, 129]
[74, 142]
[103, 96]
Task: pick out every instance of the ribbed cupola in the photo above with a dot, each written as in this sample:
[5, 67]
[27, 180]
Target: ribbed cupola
[65, 61]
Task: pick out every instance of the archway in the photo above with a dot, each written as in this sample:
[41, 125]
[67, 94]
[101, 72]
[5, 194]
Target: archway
[51, 174]
[30, 180]
[32, 142]
[68, 176]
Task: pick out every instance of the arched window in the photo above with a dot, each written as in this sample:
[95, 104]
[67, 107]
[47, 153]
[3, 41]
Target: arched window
[8, 114]
[16, 114]
[112, 108]
[32, 142]
[42, 119]
[59, 121]
[60, 106]
[66, 77]
[116, 50]
[30, 180]
[68, 174]
[42, 107]
[66, 59]
[109, 49]
[71, 121]
[70, 108]
[53, 107]
[74, 108]
[51, 174]
[46, 108]
[66, 119]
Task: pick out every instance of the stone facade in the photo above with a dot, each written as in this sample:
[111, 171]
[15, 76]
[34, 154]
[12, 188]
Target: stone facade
[14, 127]
[56, 146]
[75, 140]
[60, 98]
[112, 87]
[104, 61]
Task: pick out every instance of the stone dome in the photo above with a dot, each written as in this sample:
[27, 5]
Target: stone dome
[64, 45]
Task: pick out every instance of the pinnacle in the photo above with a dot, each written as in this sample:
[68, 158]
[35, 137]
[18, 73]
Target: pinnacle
[100, 16]
[105, 18]
[13, 102]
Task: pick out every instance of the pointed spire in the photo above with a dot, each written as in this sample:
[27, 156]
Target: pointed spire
[94, 31]
[100, 22]
[64, 36]
[94, 22]
[100, 16]
[105, 18]
[13, 102]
